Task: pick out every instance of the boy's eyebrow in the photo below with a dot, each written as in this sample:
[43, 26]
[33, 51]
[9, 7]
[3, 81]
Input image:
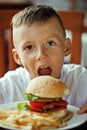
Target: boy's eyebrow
[52, 36]
[57, 35]
[26, 43]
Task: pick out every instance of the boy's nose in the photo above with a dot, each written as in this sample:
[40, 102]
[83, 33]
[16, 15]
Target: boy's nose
[41, 54]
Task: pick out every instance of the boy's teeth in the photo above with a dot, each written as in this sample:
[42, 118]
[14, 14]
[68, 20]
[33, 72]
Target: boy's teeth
[45, 70]
[44, 67]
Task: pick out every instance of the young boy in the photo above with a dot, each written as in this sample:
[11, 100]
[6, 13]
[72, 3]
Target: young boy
[40, 45]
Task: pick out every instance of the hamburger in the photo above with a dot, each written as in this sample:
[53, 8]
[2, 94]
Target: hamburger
[45, 95]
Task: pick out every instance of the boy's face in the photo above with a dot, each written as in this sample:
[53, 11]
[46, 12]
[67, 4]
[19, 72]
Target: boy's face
[40, 48]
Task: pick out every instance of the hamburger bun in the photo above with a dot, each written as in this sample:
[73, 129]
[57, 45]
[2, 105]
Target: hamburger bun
[47, 87]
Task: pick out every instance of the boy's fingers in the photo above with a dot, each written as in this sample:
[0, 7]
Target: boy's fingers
[82, 110]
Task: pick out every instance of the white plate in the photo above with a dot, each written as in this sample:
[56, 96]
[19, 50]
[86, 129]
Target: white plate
[75, 121]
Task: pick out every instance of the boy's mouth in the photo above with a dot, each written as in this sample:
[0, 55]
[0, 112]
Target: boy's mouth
[44, 70]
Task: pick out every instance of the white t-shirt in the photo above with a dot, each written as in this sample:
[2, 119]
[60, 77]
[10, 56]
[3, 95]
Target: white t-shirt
[14, 83]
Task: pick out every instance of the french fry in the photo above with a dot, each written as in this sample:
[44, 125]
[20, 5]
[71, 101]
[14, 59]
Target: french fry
[27, 120]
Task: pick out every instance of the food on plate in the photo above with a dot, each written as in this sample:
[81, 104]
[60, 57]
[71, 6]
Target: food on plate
[45, 95]
[45, 109]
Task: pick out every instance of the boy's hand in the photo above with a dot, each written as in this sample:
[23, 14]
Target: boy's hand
[82, 110]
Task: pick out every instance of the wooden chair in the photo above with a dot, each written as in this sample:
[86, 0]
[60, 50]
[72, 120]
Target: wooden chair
[6, 59]
[73, 21]
[7, 10]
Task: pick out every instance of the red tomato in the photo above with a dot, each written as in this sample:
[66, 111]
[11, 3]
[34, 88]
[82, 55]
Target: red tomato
[37, 104]
[37, 109]
[40, 106]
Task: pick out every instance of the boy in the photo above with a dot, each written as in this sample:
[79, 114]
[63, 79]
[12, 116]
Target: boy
[40, 45]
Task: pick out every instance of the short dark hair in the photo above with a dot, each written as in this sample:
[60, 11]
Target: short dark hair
[32, 14]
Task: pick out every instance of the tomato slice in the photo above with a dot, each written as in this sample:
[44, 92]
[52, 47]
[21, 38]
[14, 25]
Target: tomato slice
[41, 106]
[37, 109]
[37, 104]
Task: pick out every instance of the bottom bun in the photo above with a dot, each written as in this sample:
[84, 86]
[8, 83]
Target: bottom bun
[54, 114]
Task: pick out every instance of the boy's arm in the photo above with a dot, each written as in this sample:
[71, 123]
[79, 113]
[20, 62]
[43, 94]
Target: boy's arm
[82, 109]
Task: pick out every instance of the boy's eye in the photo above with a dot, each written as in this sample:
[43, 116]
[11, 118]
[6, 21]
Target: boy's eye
[29, 47]
[50, 43]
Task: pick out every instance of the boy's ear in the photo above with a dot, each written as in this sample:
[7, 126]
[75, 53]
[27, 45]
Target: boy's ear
[67, 50]
[16, 57]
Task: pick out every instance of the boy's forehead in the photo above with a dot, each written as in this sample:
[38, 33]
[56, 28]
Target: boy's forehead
[50, 25]
[52, 21]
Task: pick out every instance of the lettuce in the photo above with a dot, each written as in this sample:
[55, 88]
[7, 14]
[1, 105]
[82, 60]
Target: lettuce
[23, 106]
[30, 97]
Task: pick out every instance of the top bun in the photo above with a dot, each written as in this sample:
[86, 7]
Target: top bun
[47, 87]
